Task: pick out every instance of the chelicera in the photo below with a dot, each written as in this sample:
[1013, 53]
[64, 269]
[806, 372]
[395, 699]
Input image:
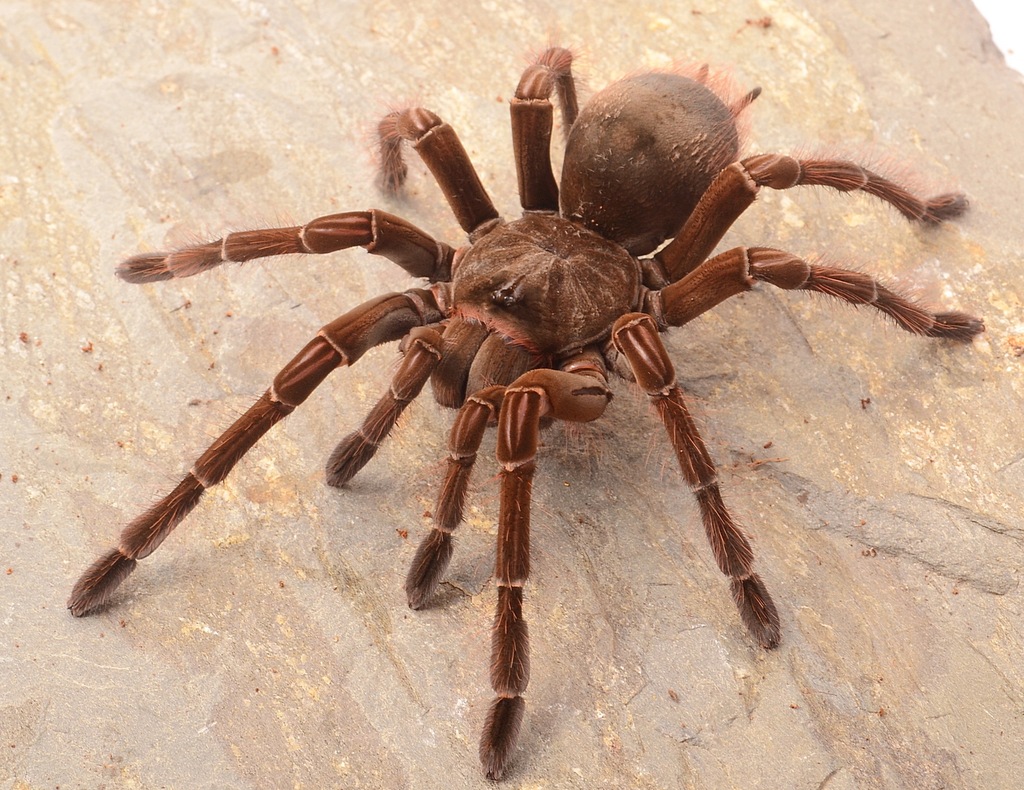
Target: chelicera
[529, 320]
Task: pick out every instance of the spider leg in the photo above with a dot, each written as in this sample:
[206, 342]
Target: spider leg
[460, 345]
[443, 154]
[435, 550]
[532, 120]
[380, 233]
[355, 450]
[579, 396]
[736, 187]
[473, 358]
[482, 366]
[636, 336]
[340, 342]
[736, 270]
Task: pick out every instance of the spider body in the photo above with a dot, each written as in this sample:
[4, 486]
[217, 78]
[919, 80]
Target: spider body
[545, 284]
[528, 322]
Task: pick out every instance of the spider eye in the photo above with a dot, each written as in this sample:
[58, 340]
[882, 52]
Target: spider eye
[507, 296]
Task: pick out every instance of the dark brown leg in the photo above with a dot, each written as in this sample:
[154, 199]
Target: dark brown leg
[735, 188]
[341, 342]
[580, 396]
[532, 122]
[377, 231]
[736, 270]
[494, 365]
[460, 345]
[355, 450]
[435, 551]
[440, 149]
[498, 363]
[636, 337]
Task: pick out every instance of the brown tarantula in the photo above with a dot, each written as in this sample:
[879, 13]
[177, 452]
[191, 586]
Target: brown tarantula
[525, 323]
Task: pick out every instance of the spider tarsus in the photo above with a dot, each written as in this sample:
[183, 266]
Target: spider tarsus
[393, 169]
[739, 106]
[149, 267]
[391, 177]
[96, 586]
[352, 454]
[501, 731]
[757, 610]
[943, 207]
[429, 564]
[956, 326]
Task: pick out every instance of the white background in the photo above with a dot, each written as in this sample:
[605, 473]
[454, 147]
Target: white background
[1006, 18]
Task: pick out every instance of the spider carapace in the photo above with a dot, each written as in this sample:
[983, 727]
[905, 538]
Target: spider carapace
[527, 322]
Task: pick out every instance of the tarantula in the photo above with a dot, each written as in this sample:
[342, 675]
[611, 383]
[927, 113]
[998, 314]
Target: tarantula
[525, 323]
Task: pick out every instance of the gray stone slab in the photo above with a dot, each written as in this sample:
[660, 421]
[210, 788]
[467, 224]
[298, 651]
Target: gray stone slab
[267, 643]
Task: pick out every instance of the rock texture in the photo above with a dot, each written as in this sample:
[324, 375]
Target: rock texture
[267, 644]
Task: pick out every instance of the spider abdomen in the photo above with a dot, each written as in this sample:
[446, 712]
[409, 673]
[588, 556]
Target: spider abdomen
[546, 284]
[641, 154]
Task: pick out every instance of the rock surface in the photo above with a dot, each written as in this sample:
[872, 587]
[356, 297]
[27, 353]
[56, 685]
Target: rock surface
[267, 644]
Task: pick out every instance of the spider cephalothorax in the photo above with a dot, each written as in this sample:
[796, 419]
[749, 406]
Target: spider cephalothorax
[545, 284]
[526, 323]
